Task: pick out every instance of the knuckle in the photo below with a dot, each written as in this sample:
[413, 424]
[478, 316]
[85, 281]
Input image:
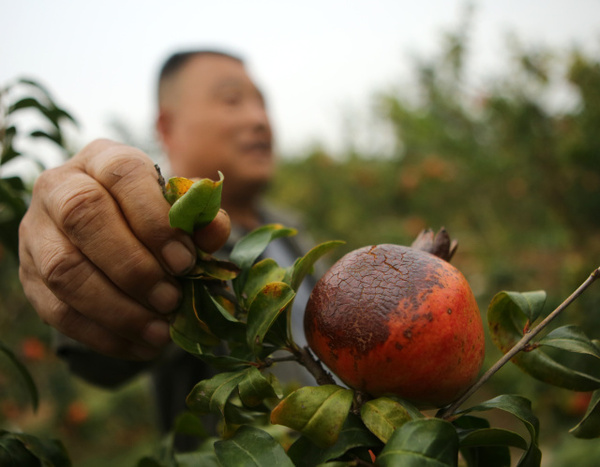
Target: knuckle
[56, 313]
[60, 316]
[24, 235]
[77, 211]
[60, 271]
[139, 269]
[46, 179]
[120, 167]
[25, 277]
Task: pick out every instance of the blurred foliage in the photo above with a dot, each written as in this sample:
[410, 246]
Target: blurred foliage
[515, 180]
[517, 183]
[24, 96]
[96, 427]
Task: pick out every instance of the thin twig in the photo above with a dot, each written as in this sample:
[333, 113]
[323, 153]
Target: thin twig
[519, 346]
[314, 367]
[271, 360]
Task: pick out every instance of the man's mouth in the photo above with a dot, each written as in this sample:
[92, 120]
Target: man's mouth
[258, 147]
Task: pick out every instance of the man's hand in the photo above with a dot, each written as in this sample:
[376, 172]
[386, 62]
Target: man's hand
[98, 255]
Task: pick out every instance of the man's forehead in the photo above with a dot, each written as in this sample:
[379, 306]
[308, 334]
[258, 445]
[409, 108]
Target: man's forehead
[214, 66]
[216, 73]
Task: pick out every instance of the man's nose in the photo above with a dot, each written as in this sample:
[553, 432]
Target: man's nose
[258, 116]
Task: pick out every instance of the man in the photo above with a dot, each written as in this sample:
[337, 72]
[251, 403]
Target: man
[98, 258]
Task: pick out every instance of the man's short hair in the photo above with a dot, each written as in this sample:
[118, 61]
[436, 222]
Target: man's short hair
[176, 62]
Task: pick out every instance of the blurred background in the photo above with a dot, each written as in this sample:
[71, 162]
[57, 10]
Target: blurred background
[390, 116]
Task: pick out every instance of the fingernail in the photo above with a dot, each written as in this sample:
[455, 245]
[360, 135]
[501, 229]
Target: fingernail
[178, 257]
[157, 333]
[164, 297]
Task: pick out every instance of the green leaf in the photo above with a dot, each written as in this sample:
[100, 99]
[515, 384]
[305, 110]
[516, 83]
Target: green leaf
[520, 407]
[8, 150]
[316, 412]
[151, 462]
[8, 153]
[305, 453]
[14, 186]
[531, 303]
[14, 454]
[28, 450]
[211, 395]
[203, 455]
[589, 426]
[23, 373]
[225, 362]
[35, 84]
[27, 103]
[493, 437]
[382, 416]
[219, 318]
[209, 267]
[572, 339]
[50, 452]
[56, 112]
[198, 206]
[421, 443]
[196, 459]
[201, 321]
[250, 446]
[480, 448]
[12, 210]
[268, 304]
[55, 137]
[338, 464]
[189, 424]
[412, 410]
[255, 388]
[59, 114]
[188, 331]
[236, 415]
[248, 249]
[508, 314]
[261, 274]
[12, 191]
[303, 266]
[52, 113]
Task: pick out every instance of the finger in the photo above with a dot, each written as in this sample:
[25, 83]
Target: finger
[132, 181]
[92, 221]
[73, 280]
[75, 325]
[214, 236]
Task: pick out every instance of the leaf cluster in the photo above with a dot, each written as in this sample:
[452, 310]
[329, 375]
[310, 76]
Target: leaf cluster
[564, 357]
[236, 316]
[13, 191]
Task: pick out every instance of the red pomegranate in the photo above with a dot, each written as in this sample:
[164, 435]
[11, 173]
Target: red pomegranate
[396, 320]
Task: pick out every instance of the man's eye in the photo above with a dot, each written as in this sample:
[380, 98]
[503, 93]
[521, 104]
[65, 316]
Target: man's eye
[232, 99]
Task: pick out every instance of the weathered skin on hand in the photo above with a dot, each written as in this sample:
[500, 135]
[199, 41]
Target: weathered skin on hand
[389, 319]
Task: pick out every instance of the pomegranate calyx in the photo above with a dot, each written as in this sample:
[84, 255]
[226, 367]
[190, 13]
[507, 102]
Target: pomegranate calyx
[440, 244]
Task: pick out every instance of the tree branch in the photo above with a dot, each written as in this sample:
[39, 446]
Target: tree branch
[314, 367]
[519, 346]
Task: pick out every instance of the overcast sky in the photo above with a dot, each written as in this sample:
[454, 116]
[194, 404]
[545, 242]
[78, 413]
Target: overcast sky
[315, 60]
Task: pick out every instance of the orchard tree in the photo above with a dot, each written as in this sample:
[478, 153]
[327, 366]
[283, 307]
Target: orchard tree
[377, 314]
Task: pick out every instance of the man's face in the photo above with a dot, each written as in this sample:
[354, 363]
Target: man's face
[215, 119]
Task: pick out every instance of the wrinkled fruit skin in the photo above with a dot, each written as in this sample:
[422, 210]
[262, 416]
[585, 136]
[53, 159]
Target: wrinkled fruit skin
[393, 320]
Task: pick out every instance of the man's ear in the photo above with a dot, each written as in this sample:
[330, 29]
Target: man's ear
[164, 125]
